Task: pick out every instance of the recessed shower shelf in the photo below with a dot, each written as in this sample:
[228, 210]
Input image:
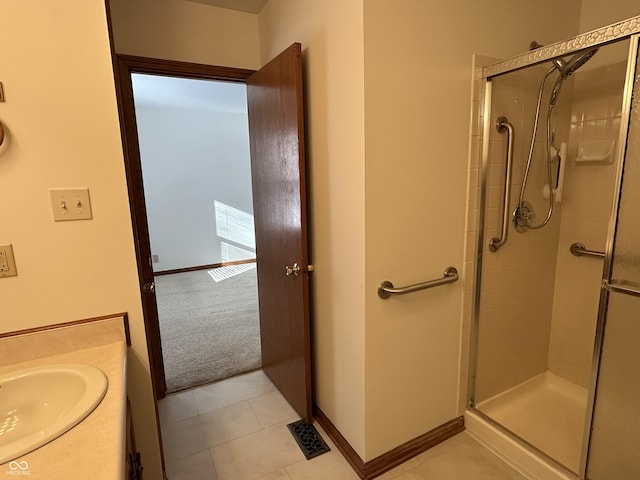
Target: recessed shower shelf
[595, 152]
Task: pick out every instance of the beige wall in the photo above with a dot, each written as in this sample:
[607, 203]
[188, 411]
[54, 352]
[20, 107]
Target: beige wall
[596, 13]
[331, 36]
[417, 103]
[418, 71]
[185, 31]
[62, 122]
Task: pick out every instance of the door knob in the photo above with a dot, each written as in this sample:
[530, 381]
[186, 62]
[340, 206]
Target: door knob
[296, 270]
[149, 287]
[292, 270]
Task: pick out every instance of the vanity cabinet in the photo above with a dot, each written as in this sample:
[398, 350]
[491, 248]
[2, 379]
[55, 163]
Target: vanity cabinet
[94, 448]
[133, 467]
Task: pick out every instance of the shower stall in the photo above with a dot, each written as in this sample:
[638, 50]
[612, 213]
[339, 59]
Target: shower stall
[555, 324]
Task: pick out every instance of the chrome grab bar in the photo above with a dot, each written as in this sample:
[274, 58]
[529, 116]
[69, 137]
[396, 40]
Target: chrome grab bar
[386, 288]
[579, 250]
[503, 124]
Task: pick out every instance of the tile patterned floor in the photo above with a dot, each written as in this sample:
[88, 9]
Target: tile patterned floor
[236, 430]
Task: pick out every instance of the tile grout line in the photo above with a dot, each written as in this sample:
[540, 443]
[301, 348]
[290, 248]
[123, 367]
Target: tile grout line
[255, 414]
[213, 462]
[233, 403]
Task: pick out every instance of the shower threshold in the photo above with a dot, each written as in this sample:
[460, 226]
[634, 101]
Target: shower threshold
[548, 412]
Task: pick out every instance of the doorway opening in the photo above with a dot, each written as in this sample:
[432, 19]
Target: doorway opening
[194, 151]
[278, 182]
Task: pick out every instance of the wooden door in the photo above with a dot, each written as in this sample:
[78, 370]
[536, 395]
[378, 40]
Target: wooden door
[276, 131]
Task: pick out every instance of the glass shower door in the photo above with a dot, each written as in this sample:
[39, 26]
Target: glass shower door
[614, 451]
[537, 303]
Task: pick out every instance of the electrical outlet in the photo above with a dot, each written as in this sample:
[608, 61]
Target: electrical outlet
[7, 262]
[70, 204]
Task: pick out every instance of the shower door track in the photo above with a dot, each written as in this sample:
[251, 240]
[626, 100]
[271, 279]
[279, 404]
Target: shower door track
[523, 442]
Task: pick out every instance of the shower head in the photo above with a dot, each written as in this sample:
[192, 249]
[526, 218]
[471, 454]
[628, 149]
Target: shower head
[567, 68]
[574, 63]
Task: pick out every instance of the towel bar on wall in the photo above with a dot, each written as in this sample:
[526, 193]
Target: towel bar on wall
[386, 288]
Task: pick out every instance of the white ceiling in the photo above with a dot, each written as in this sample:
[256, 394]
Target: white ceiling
[185, 93]
[250, 6]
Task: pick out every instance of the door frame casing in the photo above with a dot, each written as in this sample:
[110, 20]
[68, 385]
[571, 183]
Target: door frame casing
[125, 66]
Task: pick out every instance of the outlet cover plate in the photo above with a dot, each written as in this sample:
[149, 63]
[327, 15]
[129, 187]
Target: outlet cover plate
[70, 204]
[7, 262]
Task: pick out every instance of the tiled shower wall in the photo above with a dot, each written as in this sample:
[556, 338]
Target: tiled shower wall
[586, 210]
[538, 302]
[516, 298]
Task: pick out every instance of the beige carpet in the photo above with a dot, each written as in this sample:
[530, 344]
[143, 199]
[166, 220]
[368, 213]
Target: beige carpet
[209, 330]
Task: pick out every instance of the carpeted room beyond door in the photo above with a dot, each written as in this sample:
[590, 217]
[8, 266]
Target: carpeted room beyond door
[209, 330]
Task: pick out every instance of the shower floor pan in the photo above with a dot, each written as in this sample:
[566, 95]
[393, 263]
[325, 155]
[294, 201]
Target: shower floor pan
[547, 411]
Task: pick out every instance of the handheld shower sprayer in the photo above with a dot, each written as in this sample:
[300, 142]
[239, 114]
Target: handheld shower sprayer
[578, 60]
[523, 215]
[567, 67]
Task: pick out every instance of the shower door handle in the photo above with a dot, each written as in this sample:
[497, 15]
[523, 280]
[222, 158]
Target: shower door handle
[503, 124]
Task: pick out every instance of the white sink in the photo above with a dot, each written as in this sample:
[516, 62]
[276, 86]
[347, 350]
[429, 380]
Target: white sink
[39, 404]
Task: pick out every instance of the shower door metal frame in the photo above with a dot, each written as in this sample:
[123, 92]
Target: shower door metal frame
[475, 320]
[625, 30]
[607, 270]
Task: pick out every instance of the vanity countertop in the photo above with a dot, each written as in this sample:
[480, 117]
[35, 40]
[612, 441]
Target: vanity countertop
[95, 448]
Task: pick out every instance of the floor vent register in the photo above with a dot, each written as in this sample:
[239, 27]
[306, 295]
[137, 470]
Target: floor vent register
[308, 438]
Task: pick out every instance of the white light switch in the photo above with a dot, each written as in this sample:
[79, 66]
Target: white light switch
[70, 204]
[7, 262]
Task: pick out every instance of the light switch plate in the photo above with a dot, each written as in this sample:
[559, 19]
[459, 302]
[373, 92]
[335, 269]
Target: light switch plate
[70, 204]
[7, 262]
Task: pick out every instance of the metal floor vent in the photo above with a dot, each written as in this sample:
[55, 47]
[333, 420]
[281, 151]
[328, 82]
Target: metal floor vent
[308, 438]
